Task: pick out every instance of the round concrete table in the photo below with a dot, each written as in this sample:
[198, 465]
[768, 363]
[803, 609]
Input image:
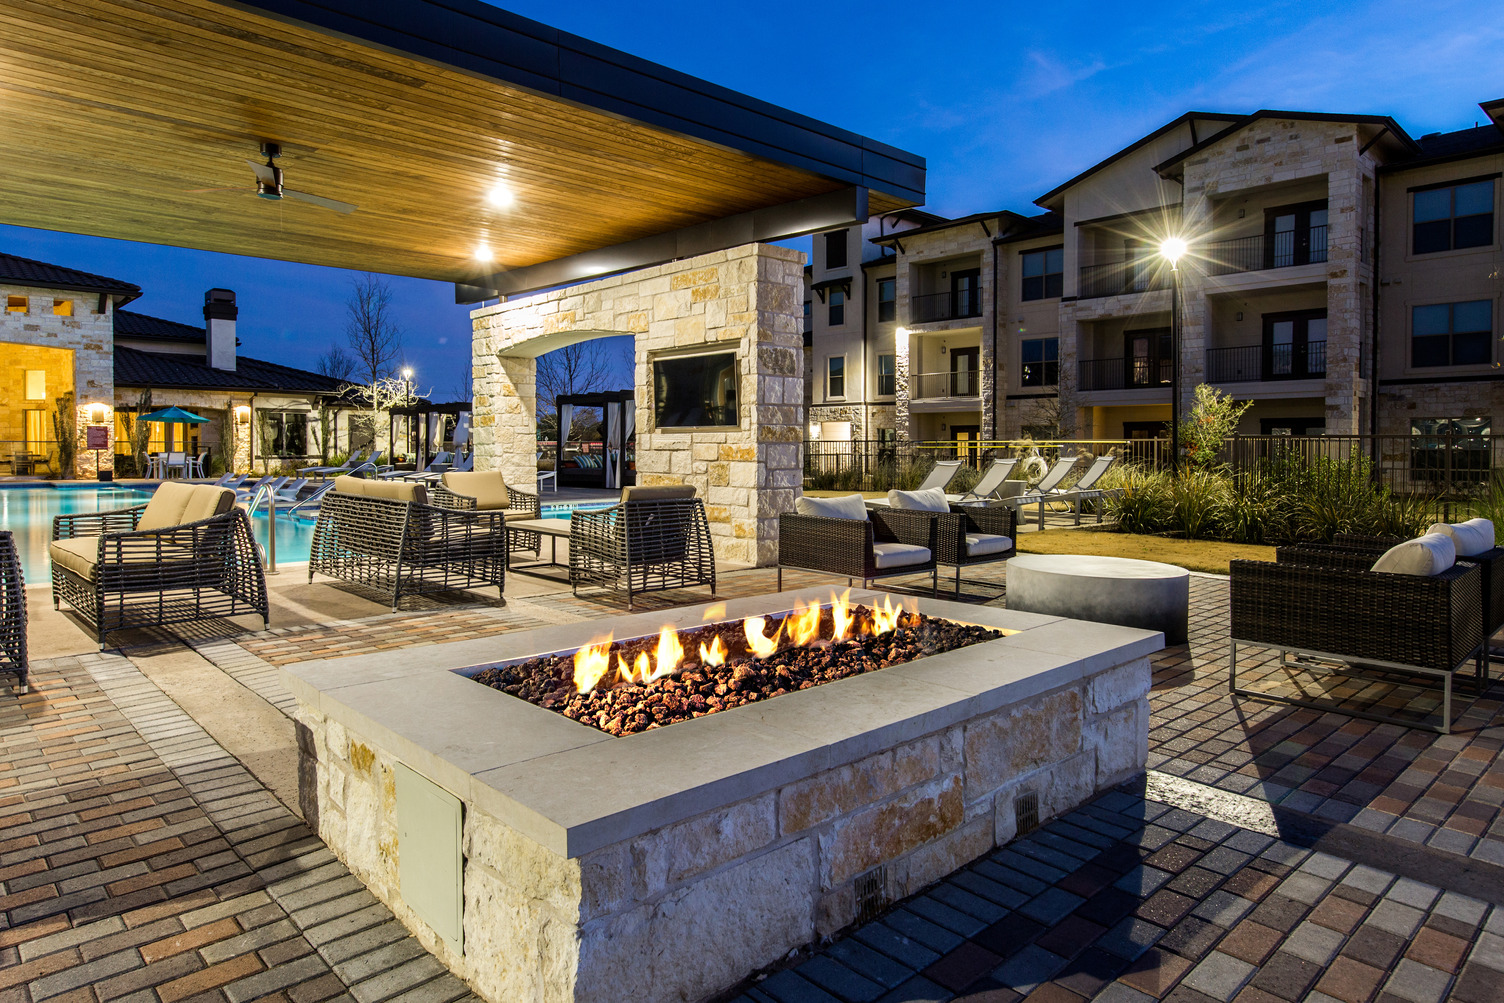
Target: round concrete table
[1117, 590]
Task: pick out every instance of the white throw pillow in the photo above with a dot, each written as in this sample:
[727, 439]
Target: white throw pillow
[928, 500]
[843, 507]
[1426, 555]
[1471, 538]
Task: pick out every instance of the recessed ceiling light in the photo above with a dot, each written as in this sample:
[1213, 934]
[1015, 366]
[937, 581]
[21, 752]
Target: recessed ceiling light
[499, 196]
[483, 253]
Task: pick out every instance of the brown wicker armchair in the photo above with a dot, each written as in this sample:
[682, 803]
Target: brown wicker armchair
[984, 534]
[186, 555]
[385, 536]
[12, 613]
[854, 548]
[656, 538]
[1426, 625]
[487, 491]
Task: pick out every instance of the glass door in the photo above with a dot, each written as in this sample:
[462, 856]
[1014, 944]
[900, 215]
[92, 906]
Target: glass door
[1146, 357]
[966, 292]
[964, 372]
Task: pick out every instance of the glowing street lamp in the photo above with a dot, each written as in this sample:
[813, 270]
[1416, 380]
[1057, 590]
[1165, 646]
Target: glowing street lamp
[1172, 249]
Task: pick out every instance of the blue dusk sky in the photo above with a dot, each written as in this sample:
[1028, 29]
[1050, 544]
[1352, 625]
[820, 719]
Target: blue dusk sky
[1004, 100]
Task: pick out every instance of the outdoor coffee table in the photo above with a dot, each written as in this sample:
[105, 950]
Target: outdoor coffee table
[551, 528]
[1117, 590]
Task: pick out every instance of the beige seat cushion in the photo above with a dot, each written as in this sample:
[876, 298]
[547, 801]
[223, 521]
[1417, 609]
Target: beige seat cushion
[487, 487]
[79, 555]
[403, 491]
[1426, 555]
[982, 544]
[928, 500]
[657, 492]
[898, 555]
[842, 507]
[175, 504]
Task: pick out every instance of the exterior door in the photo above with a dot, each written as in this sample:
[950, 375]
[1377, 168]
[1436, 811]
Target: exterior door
[1294, 345]
[966, 292]
[1141, 436]
[1146, 356]
[965, 372]
[966, 437]
[1295, 234]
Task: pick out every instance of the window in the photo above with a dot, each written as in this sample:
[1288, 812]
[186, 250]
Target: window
[837, 302]
[36, 384]
[1453, 216]
[1451, 334]
[835, 382]
[835, 249]
[808, 313]
[1294, 344]
[15, 304]
[695, 391]
[38, 431]
[1295, 234]
[887, 300]
[886, 375]
[1043, 272]
[284, 433]
[62, 308]
[1041, 362]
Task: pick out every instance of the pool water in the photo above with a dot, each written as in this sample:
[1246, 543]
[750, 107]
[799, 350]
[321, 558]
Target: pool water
[28, 512]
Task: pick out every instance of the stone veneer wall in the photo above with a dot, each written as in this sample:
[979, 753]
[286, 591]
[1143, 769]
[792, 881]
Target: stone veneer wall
[749, 299]
[688, 910]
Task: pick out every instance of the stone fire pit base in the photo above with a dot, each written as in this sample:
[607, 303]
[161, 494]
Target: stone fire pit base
[549, 861]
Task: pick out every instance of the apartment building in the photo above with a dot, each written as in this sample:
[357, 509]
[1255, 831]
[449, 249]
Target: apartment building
[1342, 276]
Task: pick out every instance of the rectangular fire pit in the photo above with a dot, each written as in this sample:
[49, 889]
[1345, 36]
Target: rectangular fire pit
[541, 858]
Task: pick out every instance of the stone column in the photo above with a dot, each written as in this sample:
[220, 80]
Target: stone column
[901, 384]
[506, 429]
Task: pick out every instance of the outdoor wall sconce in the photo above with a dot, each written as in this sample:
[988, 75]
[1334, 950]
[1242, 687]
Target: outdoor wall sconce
[97, 412]
[243, 413]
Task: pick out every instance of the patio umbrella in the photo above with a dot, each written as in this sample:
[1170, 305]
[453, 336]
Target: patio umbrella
[175, 414]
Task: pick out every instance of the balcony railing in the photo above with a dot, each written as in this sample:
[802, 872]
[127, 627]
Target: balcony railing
[945, 306]
[1256, 253]
[1122, 374]
[957, 383]
[1113, 278]
[1251, 363]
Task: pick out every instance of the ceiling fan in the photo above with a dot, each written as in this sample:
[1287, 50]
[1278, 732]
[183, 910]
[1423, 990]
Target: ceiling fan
[269, 183]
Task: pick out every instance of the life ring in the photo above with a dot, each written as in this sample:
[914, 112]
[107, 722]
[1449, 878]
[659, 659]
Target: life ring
[1034, 469]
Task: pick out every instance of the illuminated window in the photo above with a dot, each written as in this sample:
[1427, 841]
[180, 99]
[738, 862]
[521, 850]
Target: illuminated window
[15, 304]
[62, 308]
[887, 300]
[36, 384]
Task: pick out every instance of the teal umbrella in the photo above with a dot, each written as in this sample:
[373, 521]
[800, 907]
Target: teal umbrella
[174, 414]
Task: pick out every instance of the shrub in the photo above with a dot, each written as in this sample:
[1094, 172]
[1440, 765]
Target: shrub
[1197, 499]
[1213, 418]
[1255, 510]
[1143, 504]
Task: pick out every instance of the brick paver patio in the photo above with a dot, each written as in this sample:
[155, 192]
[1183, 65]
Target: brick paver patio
[1273, 853]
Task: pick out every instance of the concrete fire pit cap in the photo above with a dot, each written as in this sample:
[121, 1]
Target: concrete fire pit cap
[575, 789]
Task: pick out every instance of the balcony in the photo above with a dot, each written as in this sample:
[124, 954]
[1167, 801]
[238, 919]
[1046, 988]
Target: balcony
[940, 386]
[1256, 364]
[1114, 278]
[1123, 374]
[1257, 253]
[945, 306]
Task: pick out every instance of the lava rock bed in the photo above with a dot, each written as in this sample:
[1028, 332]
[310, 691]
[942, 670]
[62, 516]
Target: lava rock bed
[699, 689]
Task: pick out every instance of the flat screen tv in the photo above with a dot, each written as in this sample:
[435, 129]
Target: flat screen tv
[695, 391]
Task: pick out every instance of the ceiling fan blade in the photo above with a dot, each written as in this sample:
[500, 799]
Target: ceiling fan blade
[237, 188]
[264, 174]
[319, 200]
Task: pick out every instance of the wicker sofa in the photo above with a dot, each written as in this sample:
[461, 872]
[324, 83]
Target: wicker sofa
[1341, 611]
[888, 542]
[487, 491]
[186, 555]
[386, 536]
[655, 538]
[12, 613]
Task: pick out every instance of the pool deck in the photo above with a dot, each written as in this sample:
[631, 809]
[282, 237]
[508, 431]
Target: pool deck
[150, 847]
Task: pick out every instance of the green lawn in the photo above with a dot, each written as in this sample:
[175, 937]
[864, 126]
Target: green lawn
[1194, 555]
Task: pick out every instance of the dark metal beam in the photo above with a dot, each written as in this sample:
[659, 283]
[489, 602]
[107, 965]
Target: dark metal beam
[780, 222]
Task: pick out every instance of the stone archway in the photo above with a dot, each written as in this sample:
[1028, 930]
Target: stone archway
[748, 300]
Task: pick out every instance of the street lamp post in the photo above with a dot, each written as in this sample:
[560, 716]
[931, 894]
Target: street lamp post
[1172, 248]
[407, 402]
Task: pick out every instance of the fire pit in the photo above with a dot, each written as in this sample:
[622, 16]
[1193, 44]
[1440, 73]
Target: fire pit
[542, 857]
[632, 685]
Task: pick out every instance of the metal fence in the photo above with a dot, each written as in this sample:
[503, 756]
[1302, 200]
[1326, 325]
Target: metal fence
[877, 464]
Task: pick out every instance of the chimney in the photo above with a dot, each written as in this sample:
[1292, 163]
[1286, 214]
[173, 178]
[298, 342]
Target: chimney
[219, 322]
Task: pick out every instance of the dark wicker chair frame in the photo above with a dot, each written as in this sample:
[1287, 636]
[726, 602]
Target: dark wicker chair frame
[154, 577]
[1429, 626]
[522, 505]
[641, 546]
[843, 547]
[399, 548]
[12, 613]
[998, 520]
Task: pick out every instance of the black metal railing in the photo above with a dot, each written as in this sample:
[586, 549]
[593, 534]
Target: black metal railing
[1253, 363]
[1113, 278]
[1256, 253]
[1122, 373]
[956, 383]
[945, 306]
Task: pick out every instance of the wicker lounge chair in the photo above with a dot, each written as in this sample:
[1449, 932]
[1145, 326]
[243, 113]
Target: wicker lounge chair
[1429, 625]
[656, 538]
[983, 535]
[12, 613]
[185, 555]
[889, 542]
[386, 536]
[487, 491]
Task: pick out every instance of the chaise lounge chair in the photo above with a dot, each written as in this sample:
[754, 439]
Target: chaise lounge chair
[350, 463]
[988, 485]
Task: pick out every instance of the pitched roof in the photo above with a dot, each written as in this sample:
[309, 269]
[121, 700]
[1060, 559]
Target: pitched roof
[1384, 122]
[27, 272]
[1459, 143]
[129, 324]
[1188, 117]
[135, 368]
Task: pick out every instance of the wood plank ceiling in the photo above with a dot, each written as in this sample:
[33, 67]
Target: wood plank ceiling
[113, 113]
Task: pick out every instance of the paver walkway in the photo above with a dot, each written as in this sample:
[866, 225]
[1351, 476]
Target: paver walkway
[1274, 853]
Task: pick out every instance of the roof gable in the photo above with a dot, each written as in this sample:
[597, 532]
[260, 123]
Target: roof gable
[28, 272]
[1194, 119]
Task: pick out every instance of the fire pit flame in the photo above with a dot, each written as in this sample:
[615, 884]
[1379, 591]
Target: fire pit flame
[840, 614]
[714, 653]
[804, 625]
[886, 616]
[761, 646]
[591, 663]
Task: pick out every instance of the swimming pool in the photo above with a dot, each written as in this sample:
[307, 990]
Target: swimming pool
[28, 512]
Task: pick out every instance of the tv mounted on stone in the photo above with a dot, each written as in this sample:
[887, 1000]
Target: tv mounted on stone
[695, 391]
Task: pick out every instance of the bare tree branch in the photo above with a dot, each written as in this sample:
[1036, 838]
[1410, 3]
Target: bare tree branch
[580, 368]
[375, 344]
[335, 363]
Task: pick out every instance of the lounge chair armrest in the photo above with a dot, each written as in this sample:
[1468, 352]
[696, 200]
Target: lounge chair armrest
[120, 520]
[524, 501]
[442, 497]
[899, 525]
[837, 546]
[998, 520]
